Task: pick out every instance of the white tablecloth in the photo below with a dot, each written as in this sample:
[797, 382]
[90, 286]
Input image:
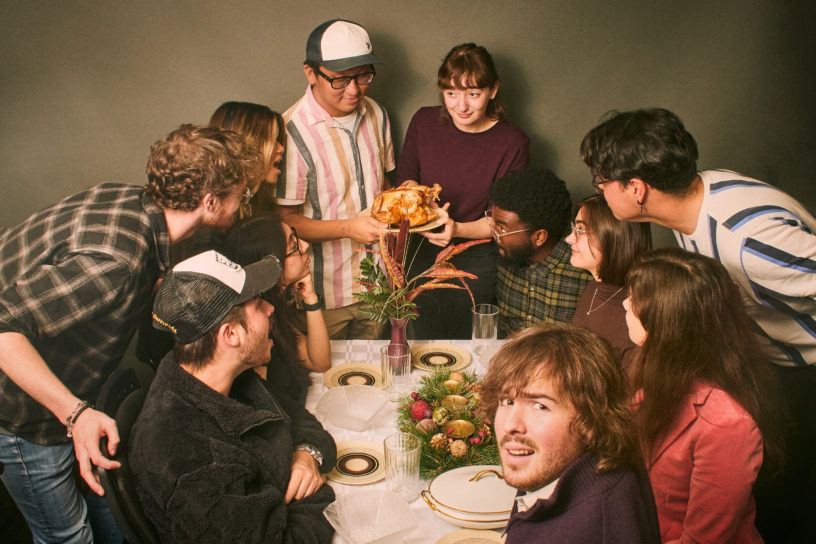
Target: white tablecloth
[431, 526]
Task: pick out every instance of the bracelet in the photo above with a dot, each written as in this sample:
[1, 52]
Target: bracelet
[312, 307]
[71, 419]
[312, 451]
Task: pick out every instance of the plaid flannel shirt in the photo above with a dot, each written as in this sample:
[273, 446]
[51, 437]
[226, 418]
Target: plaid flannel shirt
[543, 292]
[74, 280]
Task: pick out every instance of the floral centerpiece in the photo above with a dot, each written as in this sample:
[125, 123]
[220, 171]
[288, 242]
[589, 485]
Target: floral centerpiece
[446, 415]
[389, 292]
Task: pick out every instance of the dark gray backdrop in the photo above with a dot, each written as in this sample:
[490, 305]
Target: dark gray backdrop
[87, 86]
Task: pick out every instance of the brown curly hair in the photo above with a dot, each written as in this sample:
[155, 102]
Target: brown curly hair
[583, 370]
[195, 160]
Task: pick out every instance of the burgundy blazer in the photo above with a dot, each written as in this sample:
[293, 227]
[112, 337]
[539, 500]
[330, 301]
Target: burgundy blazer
[703, 469]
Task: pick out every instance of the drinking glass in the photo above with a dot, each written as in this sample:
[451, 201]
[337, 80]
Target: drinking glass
[395, 366]
[402, 451]
[485, 327]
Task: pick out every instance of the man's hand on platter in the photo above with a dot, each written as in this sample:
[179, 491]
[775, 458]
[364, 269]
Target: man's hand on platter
[365, 230]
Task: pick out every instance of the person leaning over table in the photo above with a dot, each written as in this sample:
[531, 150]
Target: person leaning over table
[215, 454]
[74, 280]
[645, 164]
[294, 354]
[567, 440]
[535, 281]
[464, 146]
[606, 248]
[339, 151]
[263, 130]
[708, 403]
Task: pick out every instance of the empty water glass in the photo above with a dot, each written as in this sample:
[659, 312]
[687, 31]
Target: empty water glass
[402, 452]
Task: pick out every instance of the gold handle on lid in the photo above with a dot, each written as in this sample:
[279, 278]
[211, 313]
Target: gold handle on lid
[482, 473]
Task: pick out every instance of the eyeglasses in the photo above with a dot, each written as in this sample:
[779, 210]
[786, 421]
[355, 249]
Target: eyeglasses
[597, 184]
[341, 82]
[294, 237]
[577, 229]
[496, 232]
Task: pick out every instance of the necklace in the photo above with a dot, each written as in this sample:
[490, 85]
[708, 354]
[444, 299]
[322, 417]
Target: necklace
[591, 309]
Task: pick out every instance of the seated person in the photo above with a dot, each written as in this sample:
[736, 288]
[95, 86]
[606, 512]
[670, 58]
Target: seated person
[567, 440]
[708, 411]
[606, 248]
[294, 354]
[216, 457]
[535, 282]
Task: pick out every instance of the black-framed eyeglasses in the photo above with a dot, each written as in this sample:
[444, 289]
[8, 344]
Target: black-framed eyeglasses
[296, 250]
[341, 82]
[597, 184]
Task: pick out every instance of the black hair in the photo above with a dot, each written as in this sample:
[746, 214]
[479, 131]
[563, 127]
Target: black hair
[539, 197]
[650, 144]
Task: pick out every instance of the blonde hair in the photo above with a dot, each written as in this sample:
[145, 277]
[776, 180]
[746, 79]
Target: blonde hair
[262, 128]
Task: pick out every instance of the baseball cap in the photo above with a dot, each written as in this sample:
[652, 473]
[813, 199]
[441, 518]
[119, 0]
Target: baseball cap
[200, 291]
[339, 45]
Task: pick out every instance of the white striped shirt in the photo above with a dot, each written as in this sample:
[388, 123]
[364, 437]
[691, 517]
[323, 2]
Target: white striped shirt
[335, 173]
[765, 238]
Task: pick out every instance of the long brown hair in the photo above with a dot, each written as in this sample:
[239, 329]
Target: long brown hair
[250, 240]
[620, 241]
[582, 368]
[697, 329]
[261, 128]
[470, 66]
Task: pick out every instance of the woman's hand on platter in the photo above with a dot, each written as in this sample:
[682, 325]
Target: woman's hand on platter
[409, 183]
[444, 237]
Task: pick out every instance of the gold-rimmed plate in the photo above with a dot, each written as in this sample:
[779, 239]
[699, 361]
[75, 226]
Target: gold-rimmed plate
[441, 217]
[358, 463]
[353, 374]
[440, 357]
[471, 536]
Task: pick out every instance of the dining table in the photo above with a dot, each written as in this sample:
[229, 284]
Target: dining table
[431, 527]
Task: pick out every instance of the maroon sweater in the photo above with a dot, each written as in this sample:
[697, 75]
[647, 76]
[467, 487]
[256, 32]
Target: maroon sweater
[615, 507]
[464, 164]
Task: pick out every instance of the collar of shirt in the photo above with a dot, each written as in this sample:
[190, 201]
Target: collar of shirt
[316, 113]
[528, 500]
[161, 236]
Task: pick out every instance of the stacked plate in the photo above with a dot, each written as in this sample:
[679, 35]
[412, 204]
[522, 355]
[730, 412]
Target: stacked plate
[474, 497]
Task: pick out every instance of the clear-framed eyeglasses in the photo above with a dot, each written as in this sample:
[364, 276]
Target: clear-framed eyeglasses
[578, 229]
[341, 82]
[498, 232]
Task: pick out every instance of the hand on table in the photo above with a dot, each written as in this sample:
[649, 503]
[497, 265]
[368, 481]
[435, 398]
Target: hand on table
[306, 477]
[88, 430]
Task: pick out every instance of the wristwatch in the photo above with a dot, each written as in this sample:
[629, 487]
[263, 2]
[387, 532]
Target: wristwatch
[312, 307]
[312, 451]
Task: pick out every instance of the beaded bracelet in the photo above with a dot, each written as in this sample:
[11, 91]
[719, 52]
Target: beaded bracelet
[71, 420]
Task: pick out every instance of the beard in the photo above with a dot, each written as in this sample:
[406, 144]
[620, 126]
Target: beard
[544, 465]
[222, 221]
[519, 256]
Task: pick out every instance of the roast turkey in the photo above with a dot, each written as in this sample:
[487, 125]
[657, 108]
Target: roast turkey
[412, 203]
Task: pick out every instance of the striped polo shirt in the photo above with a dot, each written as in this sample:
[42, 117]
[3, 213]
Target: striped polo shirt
[335, 173]
[766, 240]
